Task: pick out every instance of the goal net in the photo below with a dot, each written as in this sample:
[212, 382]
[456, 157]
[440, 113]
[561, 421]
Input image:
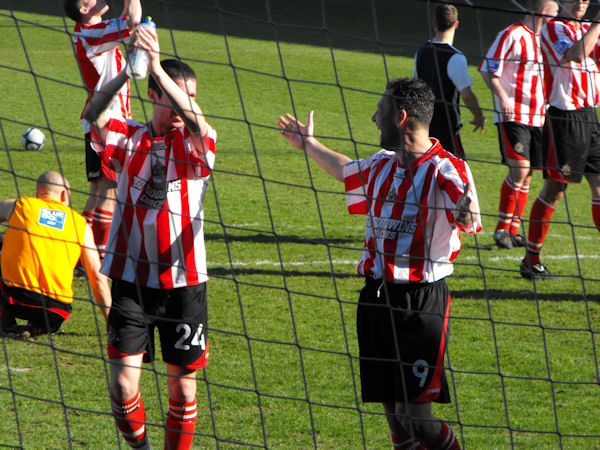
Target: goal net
[522, 357]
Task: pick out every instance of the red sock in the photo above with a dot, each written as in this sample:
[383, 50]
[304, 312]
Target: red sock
[596, 212]
[181, 421]
[447, 440]
[101, 221]
[539, 223]
[506, 209]
[404, 441]
[130, 417]
[521, 204]
[89, 217]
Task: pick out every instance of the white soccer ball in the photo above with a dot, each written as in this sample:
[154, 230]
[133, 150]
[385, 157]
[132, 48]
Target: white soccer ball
[32, 139]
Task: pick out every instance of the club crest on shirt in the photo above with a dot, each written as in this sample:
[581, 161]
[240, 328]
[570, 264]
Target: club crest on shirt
[52, 218]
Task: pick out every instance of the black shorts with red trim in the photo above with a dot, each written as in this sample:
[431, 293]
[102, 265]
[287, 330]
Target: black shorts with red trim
[521, 142]
[40, 310]
[181, 316]
[572, 144]
[95, 167]
[402, 333]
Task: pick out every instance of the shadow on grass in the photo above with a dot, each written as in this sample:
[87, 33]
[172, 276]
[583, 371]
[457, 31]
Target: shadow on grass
[262, 238]
[380, 26]
[498, 294]
[223, 272]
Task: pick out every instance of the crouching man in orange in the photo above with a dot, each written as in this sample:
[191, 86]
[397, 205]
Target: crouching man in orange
[44, 241]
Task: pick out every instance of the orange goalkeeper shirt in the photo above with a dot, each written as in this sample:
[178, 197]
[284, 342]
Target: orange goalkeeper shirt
[42, 246]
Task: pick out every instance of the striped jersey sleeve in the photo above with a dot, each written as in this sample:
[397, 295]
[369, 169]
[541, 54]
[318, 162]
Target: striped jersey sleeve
[570, 85]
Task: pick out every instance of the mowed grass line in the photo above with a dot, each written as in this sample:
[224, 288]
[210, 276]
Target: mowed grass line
[283, 365]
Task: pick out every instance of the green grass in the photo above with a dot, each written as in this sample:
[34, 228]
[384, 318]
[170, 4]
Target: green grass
[281, 254]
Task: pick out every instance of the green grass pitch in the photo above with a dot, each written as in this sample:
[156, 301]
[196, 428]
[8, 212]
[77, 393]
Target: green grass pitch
[282, 249]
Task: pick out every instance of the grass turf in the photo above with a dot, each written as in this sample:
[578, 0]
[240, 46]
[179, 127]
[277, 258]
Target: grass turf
[281, 249]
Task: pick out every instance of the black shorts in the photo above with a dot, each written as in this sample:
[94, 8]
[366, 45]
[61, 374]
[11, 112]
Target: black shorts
[518, 141]
[94, 166]
[402, 343]
[42, 311]
[181, 316]
[572, 144]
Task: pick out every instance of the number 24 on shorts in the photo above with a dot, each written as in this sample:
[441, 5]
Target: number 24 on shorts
[186, 331]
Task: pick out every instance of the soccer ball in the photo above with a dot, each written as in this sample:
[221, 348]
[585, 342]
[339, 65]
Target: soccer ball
[32, 139]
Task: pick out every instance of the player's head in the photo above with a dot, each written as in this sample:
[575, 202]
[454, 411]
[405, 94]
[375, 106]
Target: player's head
[547, 8]
[79, 10]
[411, 95]
[185, 77]
[574, 9]
[52, 184]
[445, 17]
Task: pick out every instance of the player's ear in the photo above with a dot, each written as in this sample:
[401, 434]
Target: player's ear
[402, 119]
[64, 196]
[153, 95]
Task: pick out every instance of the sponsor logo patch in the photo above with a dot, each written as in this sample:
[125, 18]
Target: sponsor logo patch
[52, 218]
[561, 46]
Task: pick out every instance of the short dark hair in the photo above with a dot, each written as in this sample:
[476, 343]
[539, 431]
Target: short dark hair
[414, 96]
[446, 16]
[176, 69]
[72, 8]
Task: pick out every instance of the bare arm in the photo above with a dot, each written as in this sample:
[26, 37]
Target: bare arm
[96, 110]
[582, 48]
[183, 104]
[301, 137]
[91, 262]
[506, 105]
[471, 102]
[132, 9]
[6, 209]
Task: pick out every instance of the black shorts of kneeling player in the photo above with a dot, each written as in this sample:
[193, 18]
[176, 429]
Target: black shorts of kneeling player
[180, 314]
[402, 333]
[41, 311]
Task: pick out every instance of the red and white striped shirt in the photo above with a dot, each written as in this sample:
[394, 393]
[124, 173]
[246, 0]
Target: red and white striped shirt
[100, 60]
[569, 85]
[411, 235]
[156, 238]
[515, 58]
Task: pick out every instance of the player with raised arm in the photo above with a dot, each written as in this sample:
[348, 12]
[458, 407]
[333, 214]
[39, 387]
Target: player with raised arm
[444, 68]
[513, 70]
[155, 253]
[44, 240]
[417, 198]
[96, 43]
[572, 134]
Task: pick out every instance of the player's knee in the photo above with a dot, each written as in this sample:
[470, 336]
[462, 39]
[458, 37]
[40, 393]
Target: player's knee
[123, 388]
[425, 429]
